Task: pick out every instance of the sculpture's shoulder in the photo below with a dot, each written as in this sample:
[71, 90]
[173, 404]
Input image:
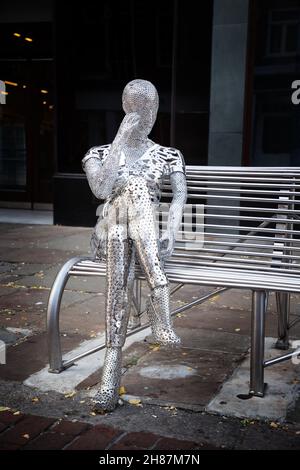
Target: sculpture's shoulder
[173, 158]
[98, 152]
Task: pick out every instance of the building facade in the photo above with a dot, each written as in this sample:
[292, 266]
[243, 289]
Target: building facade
[224, 76]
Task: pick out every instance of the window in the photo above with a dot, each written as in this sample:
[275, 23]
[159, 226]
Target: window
[283, 32]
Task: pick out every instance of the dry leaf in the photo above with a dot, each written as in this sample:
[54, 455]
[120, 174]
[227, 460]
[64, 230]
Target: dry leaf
[274, 425]
[237, 329]
[26, 436]
[35, 399]
[295, 381]
[70, 394]
[154, 346]
[17, 413]
[92, 413]
[4, 408]
[122, 390]
[135, 401]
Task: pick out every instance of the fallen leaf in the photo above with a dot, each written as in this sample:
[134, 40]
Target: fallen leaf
[35, 399]
[154, 346]
[4, 408]
[26, 436]
[135, 401]
[273, 425]
[237, 329]
[70, 394]
[17, 413]
[92, 413]
[122, 390]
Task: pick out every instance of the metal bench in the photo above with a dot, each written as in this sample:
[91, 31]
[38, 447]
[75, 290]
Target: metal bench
[246, 238]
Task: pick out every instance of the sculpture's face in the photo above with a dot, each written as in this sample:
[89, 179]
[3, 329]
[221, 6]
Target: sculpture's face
[141, 97]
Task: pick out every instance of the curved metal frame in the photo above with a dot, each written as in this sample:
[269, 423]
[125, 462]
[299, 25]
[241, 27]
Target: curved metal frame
[54, 348]
[260, 275]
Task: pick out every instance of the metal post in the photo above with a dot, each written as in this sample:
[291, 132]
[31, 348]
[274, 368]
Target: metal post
[136, 311]
[257, 343]
[283, 310]
[53, 333]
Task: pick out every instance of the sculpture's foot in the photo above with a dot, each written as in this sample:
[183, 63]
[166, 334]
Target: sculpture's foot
[165, 336]
[160, 318]
[106, 399]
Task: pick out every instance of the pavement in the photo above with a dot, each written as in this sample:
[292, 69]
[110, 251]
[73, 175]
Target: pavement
[182, 398]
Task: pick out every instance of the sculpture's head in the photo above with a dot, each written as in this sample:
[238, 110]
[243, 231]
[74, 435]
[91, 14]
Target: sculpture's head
[141, 97]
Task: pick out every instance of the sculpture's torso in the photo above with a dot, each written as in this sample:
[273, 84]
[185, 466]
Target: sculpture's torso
[155, 163]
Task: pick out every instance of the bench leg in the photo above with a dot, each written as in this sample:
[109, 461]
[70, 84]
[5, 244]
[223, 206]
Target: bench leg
[53, 333]
[283, 310]
[135, 318]
[259, 301]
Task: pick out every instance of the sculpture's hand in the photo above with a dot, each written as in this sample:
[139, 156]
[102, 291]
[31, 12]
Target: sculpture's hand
[167, 244]
[129, 123]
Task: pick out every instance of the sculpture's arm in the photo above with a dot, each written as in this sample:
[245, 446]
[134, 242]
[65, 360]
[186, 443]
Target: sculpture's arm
[179, 189]
[102, 175]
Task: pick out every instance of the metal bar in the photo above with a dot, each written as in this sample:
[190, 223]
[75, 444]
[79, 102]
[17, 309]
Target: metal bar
[241, 190]
[235, 271]
[278, 359]
[257, 343]
[239, 261]
[216, 178]
[265, 254]
[245, 228]
[53, 333]
[231, 198]
[246, 236]
[247, 245]
[283, 308]
[196, 184]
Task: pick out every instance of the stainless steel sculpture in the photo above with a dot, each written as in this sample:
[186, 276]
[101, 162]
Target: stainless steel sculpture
[128, 174]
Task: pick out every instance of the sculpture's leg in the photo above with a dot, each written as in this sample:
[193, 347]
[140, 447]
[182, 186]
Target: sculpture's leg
[119, 278]
[158, 310]
[142, 231]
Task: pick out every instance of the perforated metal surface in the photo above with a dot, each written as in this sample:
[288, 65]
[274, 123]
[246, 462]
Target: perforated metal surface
[129, 175]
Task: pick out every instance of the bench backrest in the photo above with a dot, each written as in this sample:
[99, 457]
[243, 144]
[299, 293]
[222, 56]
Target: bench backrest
[245, 217]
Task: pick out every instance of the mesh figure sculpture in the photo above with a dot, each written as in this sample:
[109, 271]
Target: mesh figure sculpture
[128, 174]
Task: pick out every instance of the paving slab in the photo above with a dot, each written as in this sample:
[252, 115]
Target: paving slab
[177, 378]
[281, 393]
